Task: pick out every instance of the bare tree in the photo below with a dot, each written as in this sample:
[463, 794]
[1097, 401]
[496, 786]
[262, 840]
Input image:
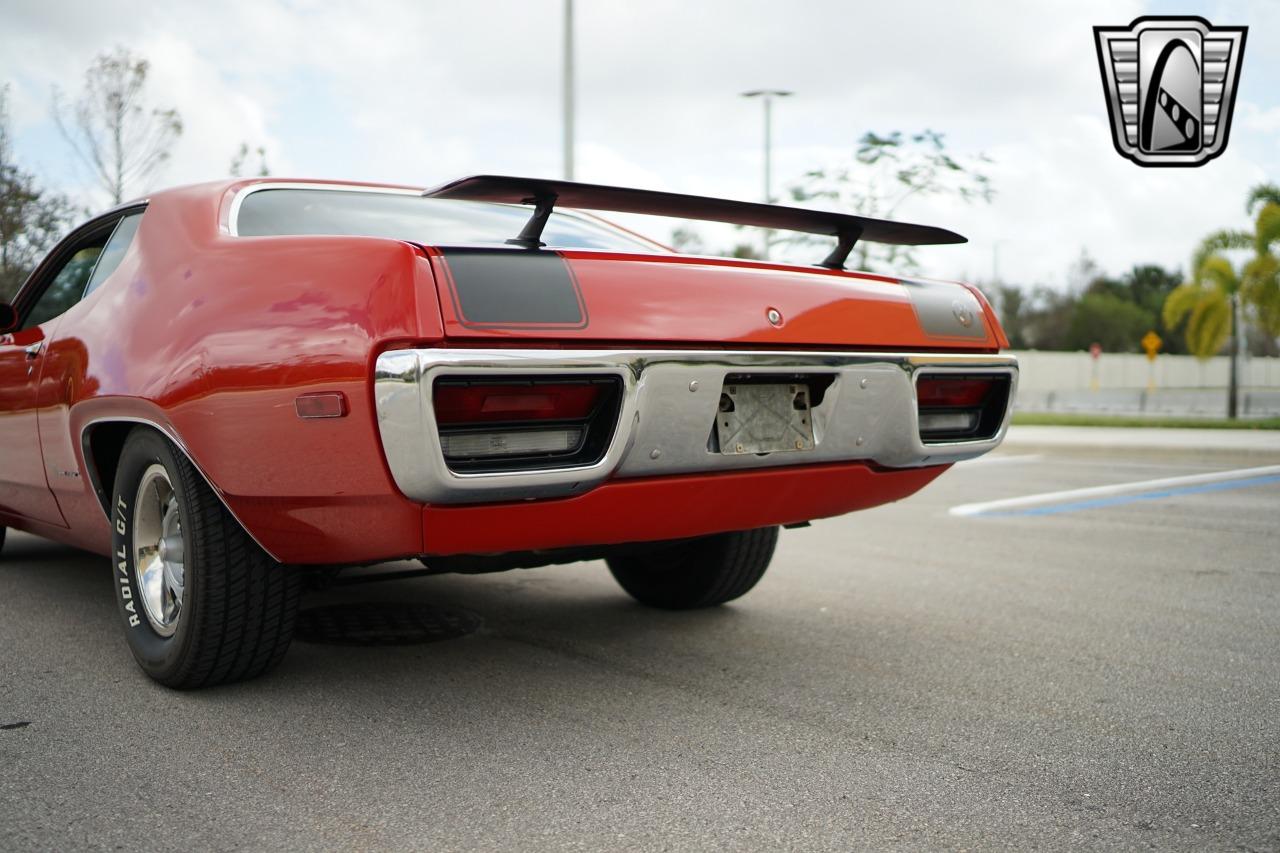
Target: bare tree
[31, 219]
[687, 241]
[113, 131]
[240, 160]
[886, 171]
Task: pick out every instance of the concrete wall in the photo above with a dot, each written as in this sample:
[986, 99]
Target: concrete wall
[1184, 385]
[1061, 371]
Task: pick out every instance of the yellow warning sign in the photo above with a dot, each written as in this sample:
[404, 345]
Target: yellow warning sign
[1151, 342]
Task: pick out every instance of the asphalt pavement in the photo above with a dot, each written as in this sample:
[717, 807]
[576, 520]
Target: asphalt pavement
[1076, 674]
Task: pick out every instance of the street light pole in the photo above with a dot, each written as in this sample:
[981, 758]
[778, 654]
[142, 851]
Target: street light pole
[568, 90]
[767, 96]
[1237, 348]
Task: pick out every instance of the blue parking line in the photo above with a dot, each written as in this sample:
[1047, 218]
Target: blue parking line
[1097, 503]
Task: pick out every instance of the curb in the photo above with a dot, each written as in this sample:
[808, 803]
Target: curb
[1138, 438]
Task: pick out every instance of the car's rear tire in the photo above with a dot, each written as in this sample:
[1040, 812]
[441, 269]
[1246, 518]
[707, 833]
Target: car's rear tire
[699, 573]
[2, 530]
[201, 603]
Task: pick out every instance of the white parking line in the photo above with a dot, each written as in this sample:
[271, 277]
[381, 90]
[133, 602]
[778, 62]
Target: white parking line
[1094, 492]
[1002, 460]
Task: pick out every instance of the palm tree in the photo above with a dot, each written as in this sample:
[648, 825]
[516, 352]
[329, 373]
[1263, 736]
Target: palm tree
[1264, 193]
[1205, 300]
[1211, 301]
[1260, 285]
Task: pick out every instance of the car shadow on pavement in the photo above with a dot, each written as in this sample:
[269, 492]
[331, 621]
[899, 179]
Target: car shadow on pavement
[23, 551]
[559, 616]
[562, 619]
[69, 587]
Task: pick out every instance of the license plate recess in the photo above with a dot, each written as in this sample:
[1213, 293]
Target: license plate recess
[764, 418]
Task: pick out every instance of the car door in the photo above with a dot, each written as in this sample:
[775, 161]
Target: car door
[58, 284]
[24, 491]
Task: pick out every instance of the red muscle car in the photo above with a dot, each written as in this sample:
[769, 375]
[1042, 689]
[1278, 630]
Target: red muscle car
[227, 386]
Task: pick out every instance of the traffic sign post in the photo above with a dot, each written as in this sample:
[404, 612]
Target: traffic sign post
[1151, 343]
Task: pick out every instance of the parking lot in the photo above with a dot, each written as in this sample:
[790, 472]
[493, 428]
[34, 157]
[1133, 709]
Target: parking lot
[1104, 675]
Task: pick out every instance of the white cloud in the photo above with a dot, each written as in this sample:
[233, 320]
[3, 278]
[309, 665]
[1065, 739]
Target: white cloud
[223, 120]
[413, 92]
[1252, 117]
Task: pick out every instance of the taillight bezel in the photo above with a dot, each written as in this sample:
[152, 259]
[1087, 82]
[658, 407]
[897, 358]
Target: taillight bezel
[597, 426]
[991, 409]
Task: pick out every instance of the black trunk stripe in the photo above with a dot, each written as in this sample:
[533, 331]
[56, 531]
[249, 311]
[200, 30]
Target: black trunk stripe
[513, 289]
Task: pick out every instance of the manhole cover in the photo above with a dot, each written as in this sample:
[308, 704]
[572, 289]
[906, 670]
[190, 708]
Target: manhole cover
[383, 624]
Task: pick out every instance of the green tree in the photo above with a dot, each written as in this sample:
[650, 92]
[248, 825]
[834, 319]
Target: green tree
[1262, 194]
[1011, 304]
[1146, 286]
[32, 219]
[1217, 291]
[1048, 318]
[1094, 308]
[1203, 304]
[1260, 278]
[1110, 320]
[886, 171]
[1210, 303]
[121, 139]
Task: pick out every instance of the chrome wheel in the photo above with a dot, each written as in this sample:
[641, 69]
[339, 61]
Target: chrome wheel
[158, 550]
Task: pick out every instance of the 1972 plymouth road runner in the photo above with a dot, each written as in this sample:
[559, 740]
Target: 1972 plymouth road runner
[226, 386]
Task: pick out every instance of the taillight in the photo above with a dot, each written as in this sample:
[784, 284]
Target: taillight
[461, 404]
[956, 408]
[477, 445]
[506, 424]
[952, 393]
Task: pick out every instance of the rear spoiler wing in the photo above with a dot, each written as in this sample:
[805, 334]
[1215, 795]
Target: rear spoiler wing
[544, 195]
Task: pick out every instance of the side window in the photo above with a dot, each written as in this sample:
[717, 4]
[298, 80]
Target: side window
[67, 286]
[114, 251]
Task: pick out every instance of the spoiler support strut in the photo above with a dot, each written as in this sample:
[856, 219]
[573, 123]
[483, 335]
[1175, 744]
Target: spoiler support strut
[845, 241]
[530, 236]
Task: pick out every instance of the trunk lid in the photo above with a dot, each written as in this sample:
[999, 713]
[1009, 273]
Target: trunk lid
[580, 298]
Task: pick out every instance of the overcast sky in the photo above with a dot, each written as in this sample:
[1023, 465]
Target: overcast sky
[420, 92]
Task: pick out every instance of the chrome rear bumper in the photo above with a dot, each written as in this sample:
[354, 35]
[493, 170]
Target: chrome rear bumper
[669, 404]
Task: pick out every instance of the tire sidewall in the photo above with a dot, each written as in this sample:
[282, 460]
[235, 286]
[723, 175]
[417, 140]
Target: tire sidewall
[698, 573]
[158, 656]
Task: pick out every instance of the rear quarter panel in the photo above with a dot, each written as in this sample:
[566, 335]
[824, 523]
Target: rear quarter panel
[215, 336]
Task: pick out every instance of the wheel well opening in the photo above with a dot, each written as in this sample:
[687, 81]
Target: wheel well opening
[104, 443]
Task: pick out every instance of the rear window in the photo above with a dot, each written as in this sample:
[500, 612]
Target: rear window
[277, 212]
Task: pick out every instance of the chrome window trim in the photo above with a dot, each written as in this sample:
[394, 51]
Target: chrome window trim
[868, 413]
[84, 291]
[233, 212]
[88, 285]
